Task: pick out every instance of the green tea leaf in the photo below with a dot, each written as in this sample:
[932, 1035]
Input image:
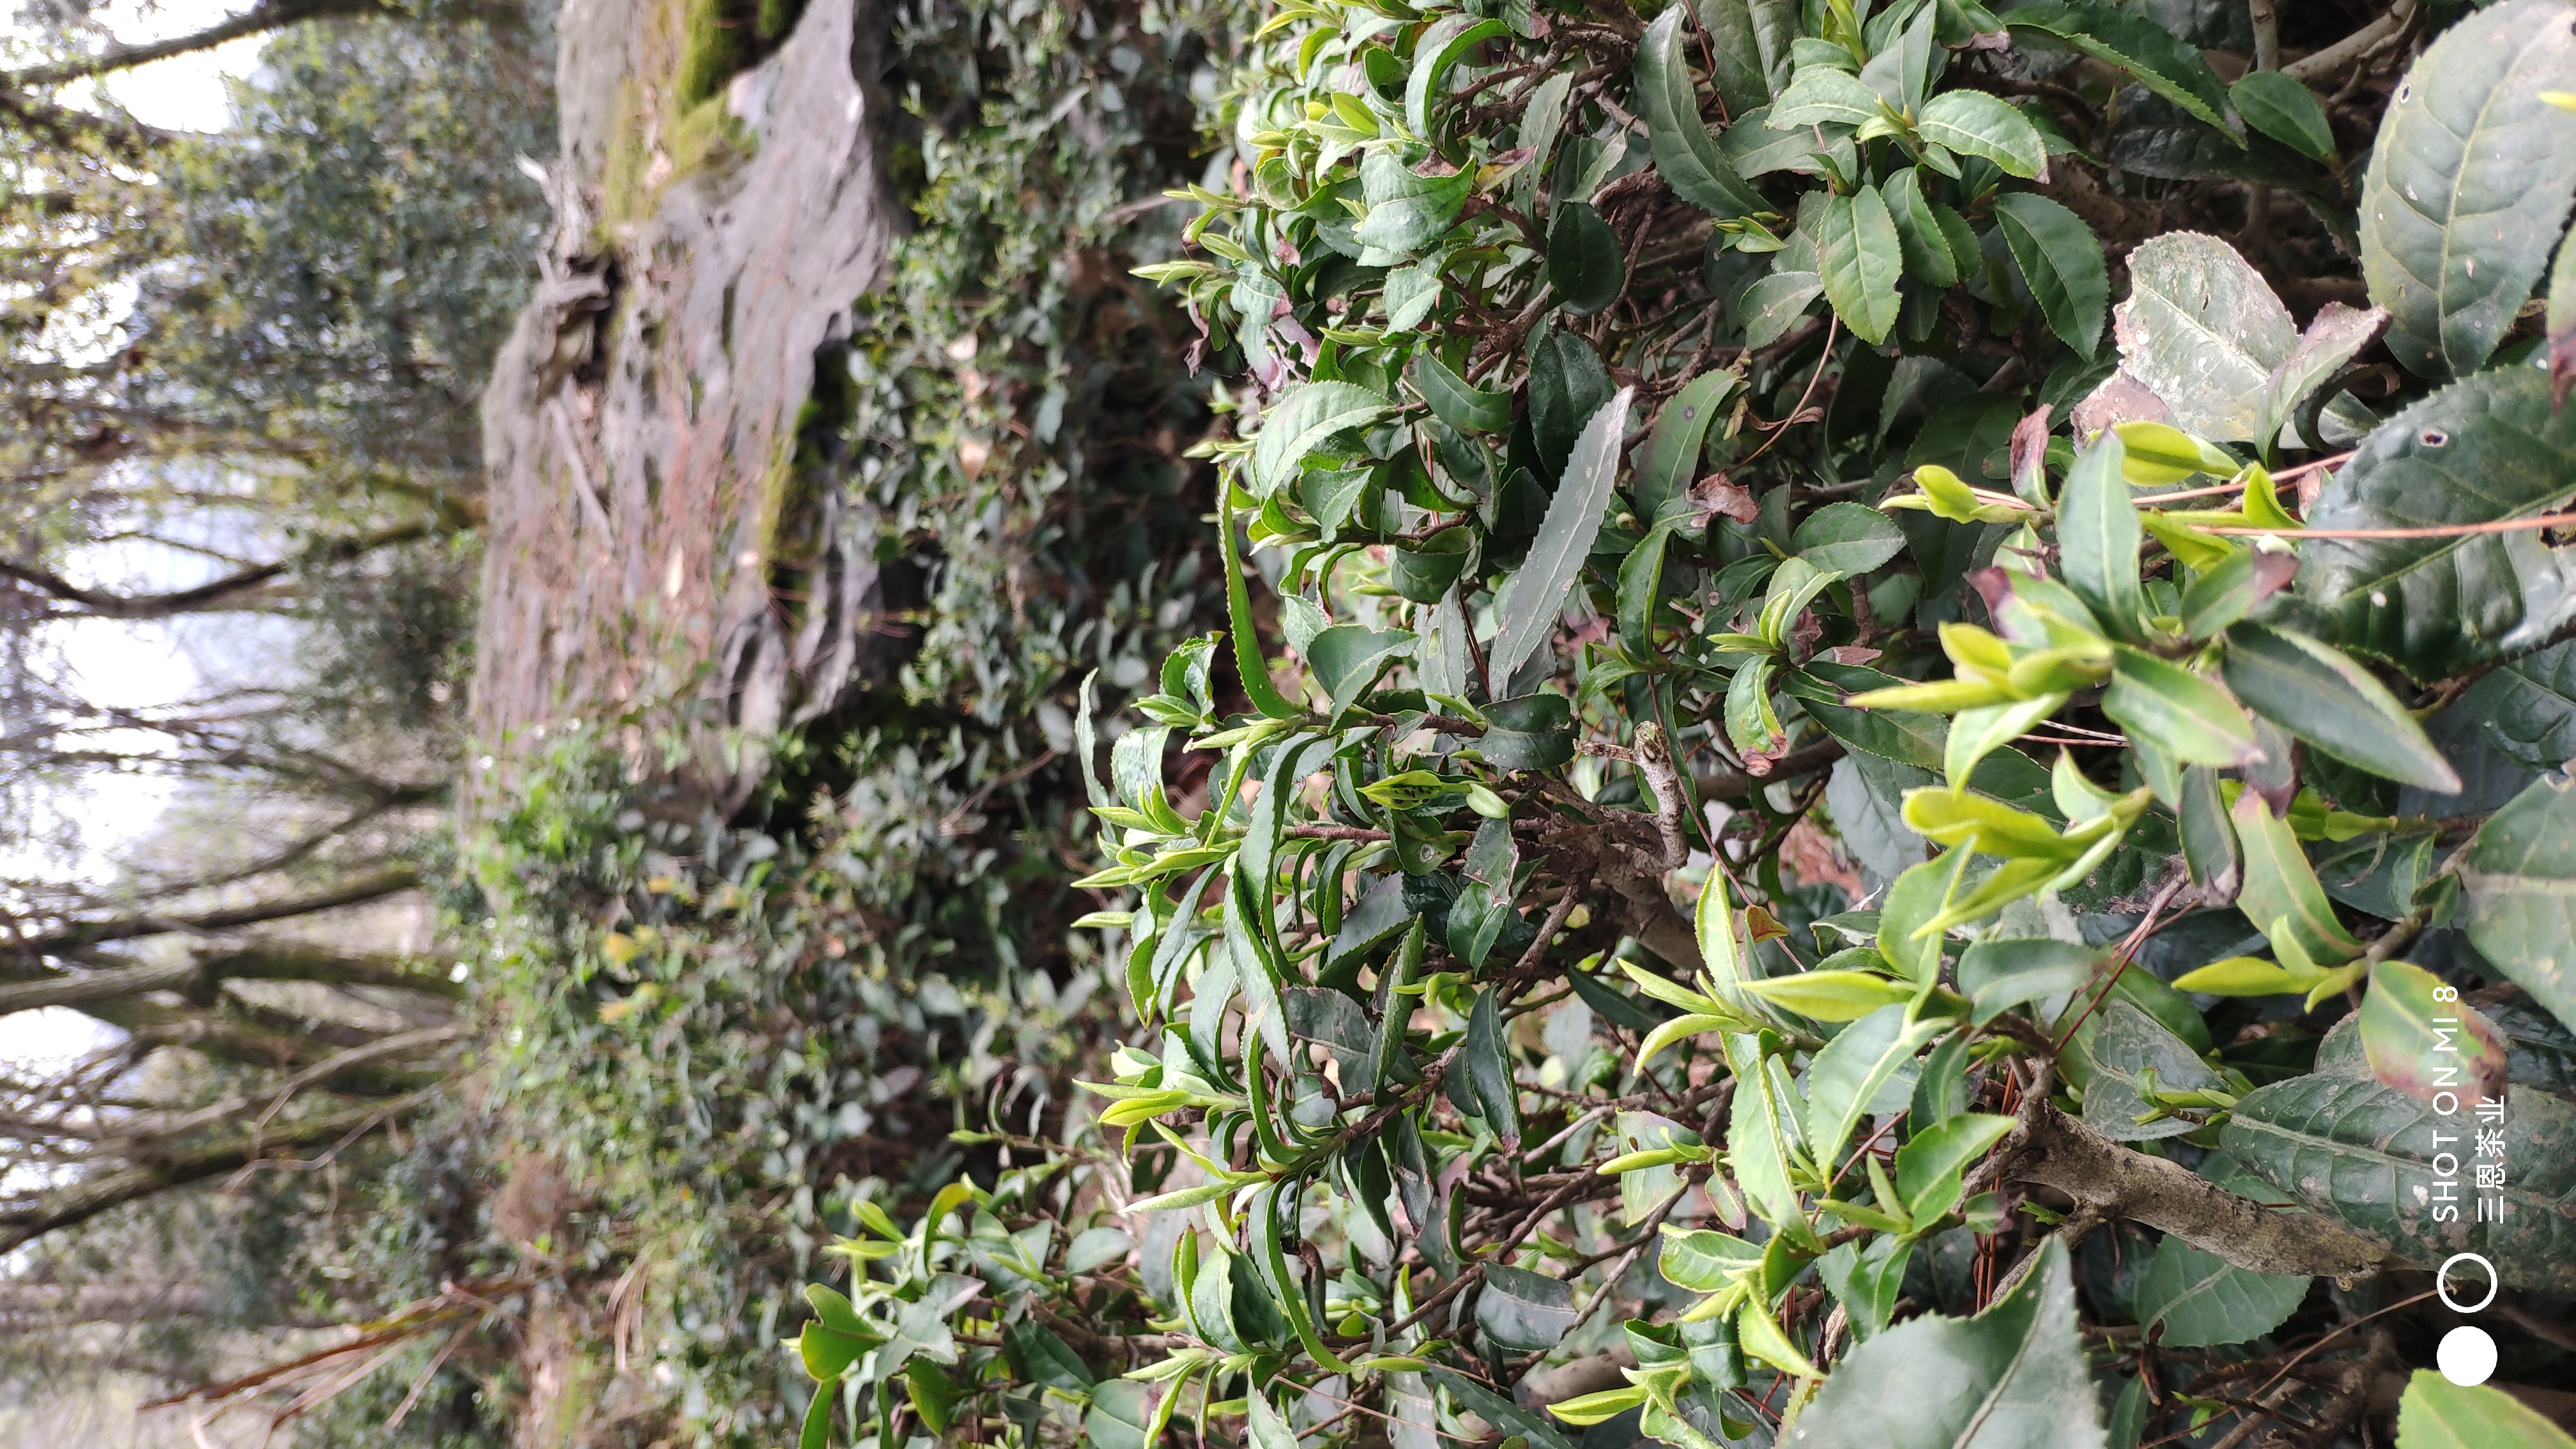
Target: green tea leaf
[2013, 1377]
[2468, 185]
[1974, 123]
[1821, 97]
[2129, 1043]
[2134, 43]
[1749, 44]
[1535, 594]
[1301, 422]
[1488, 1064]
[1858, 257]
[2098, 537]
[1439, 48]
[2184, 714]
[1774, 303]
[1929, 1168]
[2061, 261]
[2362, 1153]
[1999, 975]
[1455, 402]
[2202, 1300]
[2283, 108]
[2520, 873]
[1686, 154]
[1407, 210]
[2334, 704]
[1849, 1073]
[1522, 1310]
[2527, 707]
[2281, 887]
[1583, 258]
[2478, 451]
[2435, 1413]
[1847, 538]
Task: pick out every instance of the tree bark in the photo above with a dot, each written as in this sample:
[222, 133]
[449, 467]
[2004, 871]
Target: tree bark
[2111, 1181]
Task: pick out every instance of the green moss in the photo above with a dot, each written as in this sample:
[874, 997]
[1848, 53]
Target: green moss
[714, 44]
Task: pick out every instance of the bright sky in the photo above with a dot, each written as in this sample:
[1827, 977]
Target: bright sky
[120, 662]
[185, 93]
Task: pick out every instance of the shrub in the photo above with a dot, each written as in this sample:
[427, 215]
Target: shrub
[1842, 849]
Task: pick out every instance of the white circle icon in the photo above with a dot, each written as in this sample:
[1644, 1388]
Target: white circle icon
[2467, 1356]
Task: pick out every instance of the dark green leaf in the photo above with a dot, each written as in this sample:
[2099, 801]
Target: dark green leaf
[2520, 872]
[1974, 123]
[2134, 43]
[1301, 422]
[2478, 451]
[2202, 1300]
[2129, 1043]
[1847, 538]
[1497, 1410]
[2208, 838]
[1641, 585]
[1669, 461]
[1488, 1064]
[1583, 257]
[1433, 54]
[1406, 209]
[1918, 229]
[1686, 154]
[2060, 261]
[1905, 736]
[1858, 258]
[2229, 590]
[1455, 402]
[2283, 108]
[2528, 707]
[1347, 659]
[1775, 302]
[1248, 663]
[1533, 732]
[2013, 1377]
[1999, 975]
[1535, 594]
[2362, 1153]
[1423, 572]
[2468, 185]
[1850, 1072]
[1866, 1278]
[1567, 386]
[1821, 97]
[1748, 43]
[1522, 1310]
[2334, 704]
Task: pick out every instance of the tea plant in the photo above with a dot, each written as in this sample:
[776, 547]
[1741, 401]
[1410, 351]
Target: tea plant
[1843, 858]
